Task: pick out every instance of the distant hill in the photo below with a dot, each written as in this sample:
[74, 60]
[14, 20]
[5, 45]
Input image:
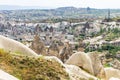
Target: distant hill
[8, 7]
[39, 13]
[14, 7]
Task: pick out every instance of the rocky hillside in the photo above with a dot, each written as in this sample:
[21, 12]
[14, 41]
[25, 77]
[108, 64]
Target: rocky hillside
[30, 66]
[62, 12]
[40, 68]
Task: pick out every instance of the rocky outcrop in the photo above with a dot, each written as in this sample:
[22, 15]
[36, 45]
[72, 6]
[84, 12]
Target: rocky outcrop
[54, 46]
[96, 64]
[76, 73]
[80, 66]
[14, 46]
[89, 62]
[82, 60]
[65, 52]
[38, 46]
[111, 72]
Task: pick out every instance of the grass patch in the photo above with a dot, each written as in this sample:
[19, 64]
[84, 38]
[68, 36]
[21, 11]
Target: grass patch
[31, 68]
[106, 65]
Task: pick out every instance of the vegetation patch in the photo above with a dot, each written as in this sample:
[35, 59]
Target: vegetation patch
[31, 68]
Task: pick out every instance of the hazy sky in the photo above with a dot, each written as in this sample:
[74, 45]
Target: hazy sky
[62, 3]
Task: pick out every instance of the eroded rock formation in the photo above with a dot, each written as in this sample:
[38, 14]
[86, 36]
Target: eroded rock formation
[89, 62]
[111, 72]
[15, 46]
[82, 60]
[79, 66]
[65, 52]
[38, 46]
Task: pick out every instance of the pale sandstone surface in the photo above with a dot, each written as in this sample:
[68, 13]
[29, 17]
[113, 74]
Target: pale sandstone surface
[15, 46]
